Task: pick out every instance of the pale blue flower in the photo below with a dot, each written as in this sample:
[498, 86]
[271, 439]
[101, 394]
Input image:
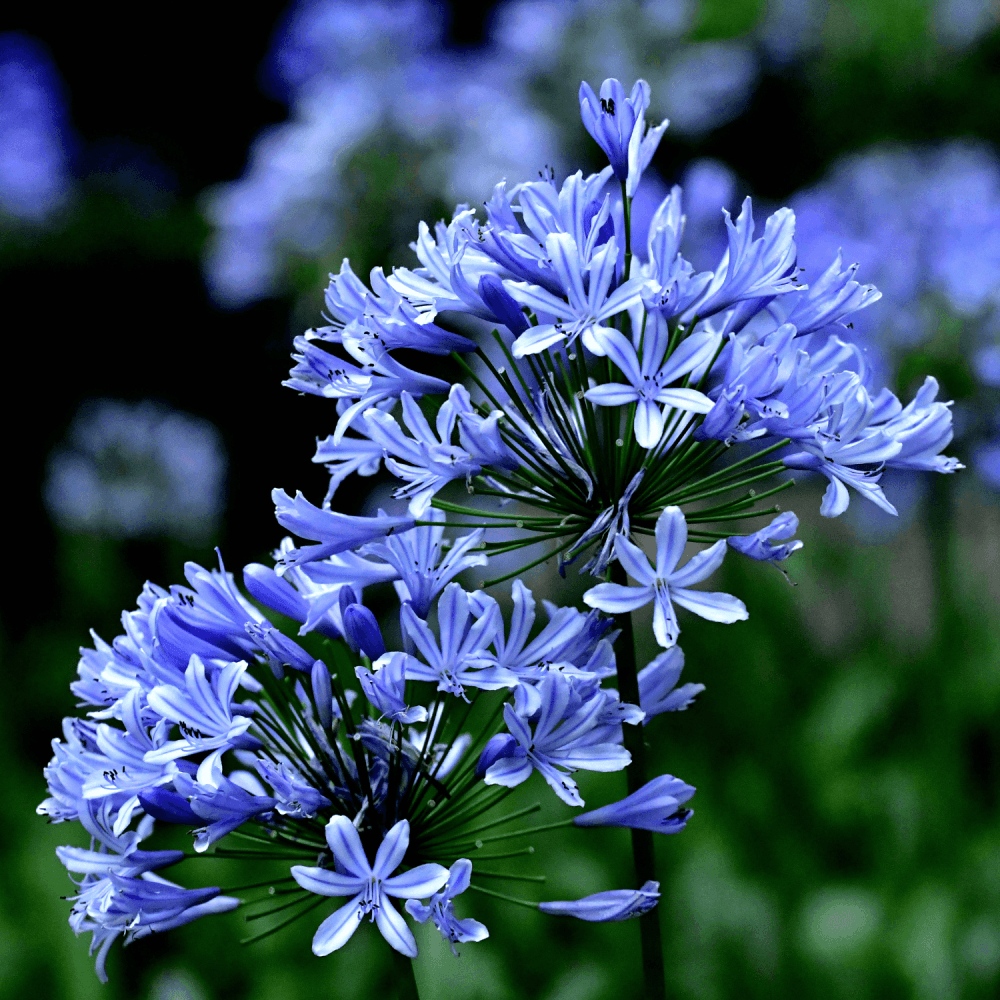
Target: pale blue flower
[371, 885]
[586, 310]
[648, 382]
[386, 689]
[601, 907]
[557, 745]
[657, 806]
[428, 460]
[752, 269]
[460, 658]
[658, 691]
[617, 124]
[334, 531]
[220, 800]
[375, 377]
[294, 794]
[424, 564]
[666, 585]
[761, 544]
[202, 710]
[441, 909]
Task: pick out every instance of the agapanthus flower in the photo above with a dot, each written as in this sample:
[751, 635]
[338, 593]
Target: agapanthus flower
[602, 400]
[664, 583]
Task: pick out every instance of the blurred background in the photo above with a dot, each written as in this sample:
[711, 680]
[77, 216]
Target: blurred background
[172, 196]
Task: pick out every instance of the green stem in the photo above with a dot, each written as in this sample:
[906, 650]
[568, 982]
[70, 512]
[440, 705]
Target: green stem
[635, 773]
[403, 980]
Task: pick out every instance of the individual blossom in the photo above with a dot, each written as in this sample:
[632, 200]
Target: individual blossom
[385, 689]
[666, 585]
[648, 382]
[441, 909]
[769, 544]
[557, 744]
[615, 904]
[370, 884]
[457, 658]
[657, 806]
[335, 532]
[617, 125]
[585, 311]
[658, 691]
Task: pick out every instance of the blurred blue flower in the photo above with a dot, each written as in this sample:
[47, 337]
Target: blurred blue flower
[138, 469]
[35, 137]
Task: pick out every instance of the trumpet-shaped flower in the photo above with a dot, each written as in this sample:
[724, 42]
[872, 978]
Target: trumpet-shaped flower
[441, 909]
[665, 584]
[657, 806]
[460, 658]
[617, 125]
[369, 884]
[385, 689]
[425, 568]
[601, 907]
[761, 544]
[584, 311]
[558, 745]
[658, 691]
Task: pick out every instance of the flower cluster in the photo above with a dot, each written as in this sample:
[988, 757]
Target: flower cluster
[204, 714]
[603, 400]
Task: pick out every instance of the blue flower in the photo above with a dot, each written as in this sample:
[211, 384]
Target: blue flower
[371, 885]
[118, 854]
[461, 658]
[441, 909]
[208, 619]
[558, 745]
[294, 795]
[658, 691]
[666, 584]
[657, 806]
[220, 800]
[202, 709]
[648, 382]
[760, 545]
[752, 269]
[278, 649]
[586, 309]
[519, 654]
[423, 565]
[376, 377]
[113, 906]
[923, 429]
[349, 454]
[426, 461]
[835, 296]
[617, 125]
[616, 904]
[334, 531]
[386, 689]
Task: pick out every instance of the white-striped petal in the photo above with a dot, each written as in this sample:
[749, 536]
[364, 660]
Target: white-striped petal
[337, 929]
[716, 607]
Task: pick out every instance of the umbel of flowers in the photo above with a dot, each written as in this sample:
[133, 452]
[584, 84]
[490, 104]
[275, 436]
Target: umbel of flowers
[602, 399]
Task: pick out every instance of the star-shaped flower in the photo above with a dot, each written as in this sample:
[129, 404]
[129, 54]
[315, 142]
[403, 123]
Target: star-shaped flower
[370, 885]
[667, 585]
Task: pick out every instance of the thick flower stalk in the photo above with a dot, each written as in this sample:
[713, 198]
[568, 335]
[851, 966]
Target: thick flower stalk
[595, 402]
